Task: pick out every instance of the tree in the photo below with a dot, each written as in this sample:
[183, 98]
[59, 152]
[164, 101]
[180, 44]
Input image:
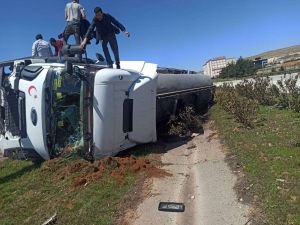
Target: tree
[242, 68]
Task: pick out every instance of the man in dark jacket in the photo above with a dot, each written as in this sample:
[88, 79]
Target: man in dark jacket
[106, 28]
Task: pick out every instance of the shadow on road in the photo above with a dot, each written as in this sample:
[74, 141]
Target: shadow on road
[162, 146]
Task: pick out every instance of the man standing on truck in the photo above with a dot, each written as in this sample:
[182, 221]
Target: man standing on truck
[74, 12]
[41, 48]
[106, 27]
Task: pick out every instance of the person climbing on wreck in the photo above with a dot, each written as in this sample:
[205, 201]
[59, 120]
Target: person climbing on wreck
[106, 27]
[57, 45]
[74, 12]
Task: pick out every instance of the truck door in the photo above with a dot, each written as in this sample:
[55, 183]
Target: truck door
[143, 104]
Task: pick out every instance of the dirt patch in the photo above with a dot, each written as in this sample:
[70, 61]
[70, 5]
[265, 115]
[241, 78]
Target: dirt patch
[211, 136]
[83, 173]
[80, 182]
[2, 158]
[116, 167]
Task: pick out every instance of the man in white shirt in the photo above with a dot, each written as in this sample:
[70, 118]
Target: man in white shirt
[74, 12]
[41, 48]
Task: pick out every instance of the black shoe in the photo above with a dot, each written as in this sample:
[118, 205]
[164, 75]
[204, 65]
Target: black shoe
[118, 67]
[110, 66]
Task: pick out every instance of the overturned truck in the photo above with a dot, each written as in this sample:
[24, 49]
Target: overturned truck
[48, 104]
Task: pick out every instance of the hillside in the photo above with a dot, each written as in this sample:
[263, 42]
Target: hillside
[278, 52]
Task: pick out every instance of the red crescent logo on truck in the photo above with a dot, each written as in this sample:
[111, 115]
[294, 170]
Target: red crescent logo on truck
[32, 91]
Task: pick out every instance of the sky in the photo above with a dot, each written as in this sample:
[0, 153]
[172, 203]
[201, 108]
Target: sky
[172, 33]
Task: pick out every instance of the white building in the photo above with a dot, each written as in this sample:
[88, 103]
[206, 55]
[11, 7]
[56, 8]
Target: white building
[213, 67]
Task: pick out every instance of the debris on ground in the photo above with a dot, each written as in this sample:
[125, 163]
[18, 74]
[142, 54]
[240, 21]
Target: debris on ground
[171, 207]
[211, 136]
[191, 145]
[51, 221]
[116, 167]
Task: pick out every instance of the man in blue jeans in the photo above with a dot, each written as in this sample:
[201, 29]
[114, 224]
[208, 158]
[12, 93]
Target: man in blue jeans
[106, 27]
[74, 12]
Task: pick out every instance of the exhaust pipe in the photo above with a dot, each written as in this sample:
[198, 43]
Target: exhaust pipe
[72, 50]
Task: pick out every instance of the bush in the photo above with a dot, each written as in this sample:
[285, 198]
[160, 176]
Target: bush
[243, 99]
[285, 95]
[244, 110]
[186, 122]
[259, 89]
[225, 97]
[289, 94]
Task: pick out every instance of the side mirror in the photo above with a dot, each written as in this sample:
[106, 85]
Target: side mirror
[19, 69]
[69, 67]
[100, 57]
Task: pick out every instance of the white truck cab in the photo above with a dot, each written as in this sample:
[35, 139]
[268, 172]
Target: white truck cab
[47, 106]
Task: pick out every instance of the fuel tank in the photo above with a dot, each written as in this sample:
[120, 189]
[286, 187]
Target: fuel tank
[171, 84]
[177, 91]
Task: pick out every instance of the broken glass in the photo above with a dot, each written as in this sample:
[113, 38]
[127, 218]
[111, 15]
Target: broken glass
[68, 110]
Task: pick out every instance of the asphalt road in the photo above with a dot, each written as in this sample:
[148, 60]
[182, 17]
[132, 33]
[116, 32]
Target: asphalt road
[201, 180]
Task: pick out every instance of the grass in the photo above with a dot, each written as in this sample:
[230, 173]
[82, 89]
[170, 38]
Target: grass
[270, 156]
[30, 195]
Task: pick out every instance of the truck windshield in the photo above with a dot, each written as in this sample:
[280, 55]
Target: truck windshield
[67, 109]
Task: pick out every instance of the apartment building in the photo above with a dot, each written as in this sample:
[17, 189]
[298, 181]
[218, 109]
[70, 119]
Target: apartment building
[213, 67]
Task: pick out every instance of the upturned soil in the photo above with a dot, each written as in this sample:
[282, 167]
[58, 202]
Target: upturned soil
[116, 167]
